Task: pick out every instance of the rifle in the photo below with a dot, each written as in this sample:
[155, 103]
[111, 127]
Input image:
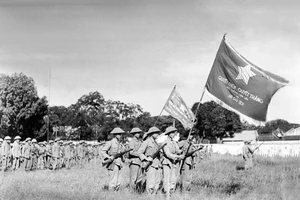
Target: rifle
[154, 156]
[193, 151]
[185, 156]
[258, 146]
[108, 161]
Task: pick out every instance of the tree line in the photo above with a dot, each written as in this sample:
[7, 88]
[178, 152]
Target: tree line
[92, 117]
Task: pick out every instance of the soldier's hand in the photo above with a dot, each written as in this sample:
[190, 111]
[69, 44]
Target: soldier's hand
[180, 157]
[150, 159]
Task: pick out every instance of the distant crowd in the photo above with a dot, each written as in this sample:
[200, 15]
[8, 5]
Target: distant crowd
[55, 154]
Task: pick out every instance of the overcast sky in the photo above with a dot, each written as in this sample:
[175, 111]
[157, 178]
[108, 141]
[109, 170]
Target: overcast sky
[135, 51]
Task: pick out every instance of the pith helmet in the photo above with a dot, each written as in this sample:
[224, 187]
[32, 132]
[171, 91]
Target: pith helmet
[33, 141]
[151, 131]
[7, 138]
[27, 139]
[57, 139]
[50, 141]
[117, 130]
[17, 138]
[170, 129]
[1, 140]
[136, 130]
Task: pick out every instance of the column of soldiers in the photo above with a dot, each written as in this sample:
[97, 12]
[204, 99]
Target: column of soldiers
[150, 163]
[30, 155]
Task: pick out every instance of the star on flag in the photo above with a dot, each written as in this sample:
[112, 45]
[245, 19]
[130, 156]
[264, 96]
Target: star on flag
[245, 73]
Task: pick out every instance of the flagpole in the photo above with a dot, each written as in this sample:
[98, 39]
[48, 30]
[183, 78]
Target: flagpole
[164, 105]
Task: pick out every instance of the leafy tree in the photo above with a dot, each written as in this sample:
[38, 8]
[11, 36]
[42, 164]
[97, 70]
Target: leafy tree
[214, 121]
[21, 110]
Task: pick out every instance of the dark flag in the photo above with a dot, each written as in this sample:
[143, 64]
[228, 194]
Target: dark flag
[241, 86]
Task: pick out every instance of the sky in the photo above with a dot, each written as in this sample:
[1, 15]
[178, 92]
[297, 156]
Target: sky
[135, 51]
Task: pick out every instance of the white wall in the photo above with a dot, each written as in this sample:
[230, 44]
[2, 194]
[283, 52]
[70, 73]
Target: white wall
[270, 149]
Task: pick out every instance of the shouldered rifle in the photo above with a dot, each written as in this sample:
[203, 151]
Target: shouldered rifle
[108, 161]
[154, 156]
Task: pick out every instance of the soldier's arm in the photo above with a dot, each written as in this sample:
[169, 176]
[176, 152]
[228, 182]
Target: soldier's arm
[168, 153]
[105, 149]
[141, 151]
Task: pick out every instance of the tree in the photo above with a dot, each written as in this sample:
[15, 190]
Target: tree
[21, 110]
[215, 121]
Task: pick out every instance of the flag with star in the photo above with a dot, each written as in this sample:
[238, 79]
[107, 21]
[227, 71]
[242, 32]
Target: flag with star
[240, 86]
[178, 109]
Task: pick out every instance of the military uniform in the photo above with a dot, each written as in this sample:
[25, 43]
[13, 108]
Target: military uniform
[16, 152]
[187, 166]
[26, 152]
[147, 149]
[171, 155]
[111, 148]
[49, 153]
[5, 150]
[56, 154]
[135, 162]
[67, 155]
[248, 155]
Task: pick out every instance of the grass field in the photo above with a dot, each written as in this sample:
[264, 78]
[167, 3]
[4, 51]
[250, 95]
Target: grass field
[220, 177]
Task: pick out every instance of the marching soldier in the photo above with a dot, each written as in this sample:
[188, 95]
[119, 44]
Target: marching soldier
[34, 154]
[80, 154]
[5, 149]
[171, 156]
[49, 153]
[41, 155]
[147, 149]
[248, 154]
[187, 165]
[67, 155]
[1, 141]
[111, 148]
[55, 154]
[135, 162]
[26, 152]
[16, 152]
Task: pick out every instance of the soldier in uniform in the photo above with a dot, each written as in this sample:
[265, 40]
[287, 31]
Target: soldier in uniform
[16, 152]
[5, 150]
[111, 148]
[80, 154]
[67, 155]
[34, 154]
[135, 162]
[55, 154]
[188, 165]
[146, 150]
[1, 141]
[26, 152]
[248, 154]
[49, 154]
[41, 155]
[172, 154]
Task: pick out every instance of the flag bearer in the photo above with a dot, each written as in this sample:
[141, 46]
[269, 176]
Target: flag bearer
[171, 156]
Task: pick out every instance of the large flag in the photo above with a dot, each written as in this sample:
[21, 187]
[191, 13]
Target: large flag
[241, 86]
[177, 108]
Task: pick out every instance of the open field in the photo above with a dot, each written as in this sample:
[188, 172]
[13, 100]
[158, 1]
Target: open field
[219, 177]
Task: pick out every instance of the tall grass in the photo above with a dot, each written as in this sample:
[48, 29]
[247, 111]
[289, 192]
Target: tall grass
[220, 177]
